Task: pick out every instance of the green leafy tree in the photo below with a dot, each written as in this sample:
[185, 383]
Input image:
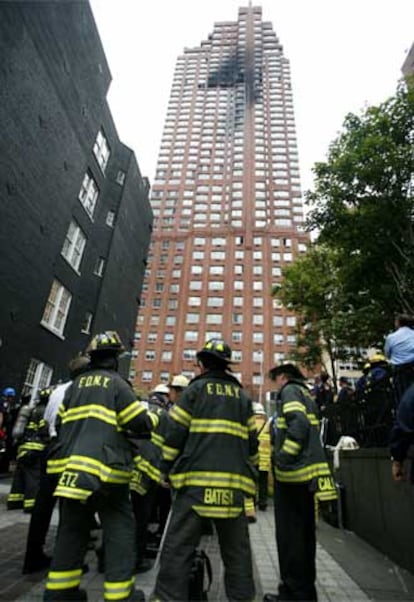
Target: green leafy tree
[312, 288]
[362, 206]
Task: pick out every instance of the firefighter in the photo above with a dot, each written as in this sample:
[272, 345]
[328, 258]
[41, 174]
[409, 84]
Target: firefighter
[35, 558]
[31, 434]
[93, 459]
[263, 435]
[147, 495]
[301, 472]
[209, 455]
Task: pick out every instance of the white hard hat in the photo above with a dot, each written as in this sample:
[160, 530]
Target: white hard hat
[258, 408]
[161, 388]
[179, 381]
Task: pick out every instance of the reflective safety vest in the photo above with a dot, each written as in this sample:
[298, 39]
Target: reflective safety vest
[92, 448]
[263, 434]
[298, 455]
[212, 445]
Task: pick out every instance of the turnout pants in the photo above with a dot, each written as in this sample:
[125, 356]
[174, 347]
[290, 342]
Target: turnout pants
[113, 506]
[25, 483]
[41, 516]
[296, 541]
[183, 536]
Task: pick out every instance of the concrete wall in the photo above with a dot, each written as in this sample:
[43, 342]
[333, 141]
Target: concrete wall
[378, 509]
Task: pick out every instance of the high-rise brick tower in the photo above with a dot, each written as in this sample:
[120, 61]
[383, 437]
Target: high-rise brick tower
[227, 206]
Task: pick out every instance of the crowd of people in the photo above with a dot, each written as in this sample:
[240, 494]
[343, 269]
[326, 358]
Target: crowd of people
[193, 458]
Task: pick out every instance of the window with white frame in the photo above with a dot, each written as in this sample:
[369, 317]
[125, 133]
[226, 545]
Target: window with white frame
[110, 219]
[74, 245]
[166, 356]
[57, 308]
[87, 322]
[88, 194]
[146, 376]
[150, 355]
[101, 150]
[99, 267]
[38, 376]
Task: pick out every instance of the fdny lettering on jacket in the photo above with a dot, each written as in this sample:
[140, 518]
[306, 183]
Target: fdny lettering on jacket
[218, 497]
[94, 381]
[223, 389]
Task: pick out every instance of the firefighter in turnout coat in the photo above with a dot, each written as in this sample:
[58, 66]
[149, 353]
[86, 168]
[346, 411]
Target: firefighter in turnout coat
[301, 473]
[211, 453]
[93, 459]
[32, 435]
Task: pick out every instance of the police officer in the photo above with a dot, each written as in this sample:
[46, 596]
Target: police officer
[301, 472]
[212, 448]
[94, 458]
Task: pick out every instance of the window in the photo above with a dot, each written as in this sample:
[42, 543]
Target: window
[150, 355]
[101, 150]
[99, 267]
[110, 219]
[191, 335]
[88, 194]
[87, 323]
[57, 308]
[170, 321]
[38, 376]
[74, 245]
[236, 337]
[146, 376]
[166, 356]
[189, 354]
[120, 177]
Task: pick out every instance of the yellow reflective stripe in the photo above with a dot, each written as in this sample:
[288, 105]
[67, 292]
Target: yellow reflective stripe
[90, 465]
[251, 424]
[90, 411]
[227, 427]
[294, 406]
[31, 445]
[281, 423]
[157, 439]
[302, 474]
[57, 580]
[291, 447]
[118, 590]
[130, 412]
[254, 459]
[154, 419]
[61, 410]
[15, 497]
[218, 511]
[28, 503]
[181, 416]
[169, 453]
[324, 496]
[73, 493]
[213, 479]
[151, 470]
[313, 419]
[249, 504]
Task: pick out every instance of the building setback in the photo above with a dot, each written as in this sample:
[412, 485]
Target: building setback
[75, 220]
[227, 206]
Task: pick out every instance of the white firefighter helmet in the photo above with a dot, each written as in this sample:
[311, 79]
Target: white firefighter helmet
[179, 381]
[258, 408]
[161, 388]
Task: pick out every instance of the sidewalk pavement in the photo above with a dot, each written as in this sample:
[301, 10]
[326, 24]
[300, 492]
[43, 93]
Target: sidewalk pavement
[348, 569]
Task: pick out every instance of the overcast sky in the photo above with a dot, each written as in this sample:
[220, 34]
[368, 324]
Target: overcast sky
[344, 55]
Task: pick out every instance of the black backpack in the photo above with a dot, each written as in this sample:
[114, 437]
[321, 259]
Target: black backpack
[200, 569]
